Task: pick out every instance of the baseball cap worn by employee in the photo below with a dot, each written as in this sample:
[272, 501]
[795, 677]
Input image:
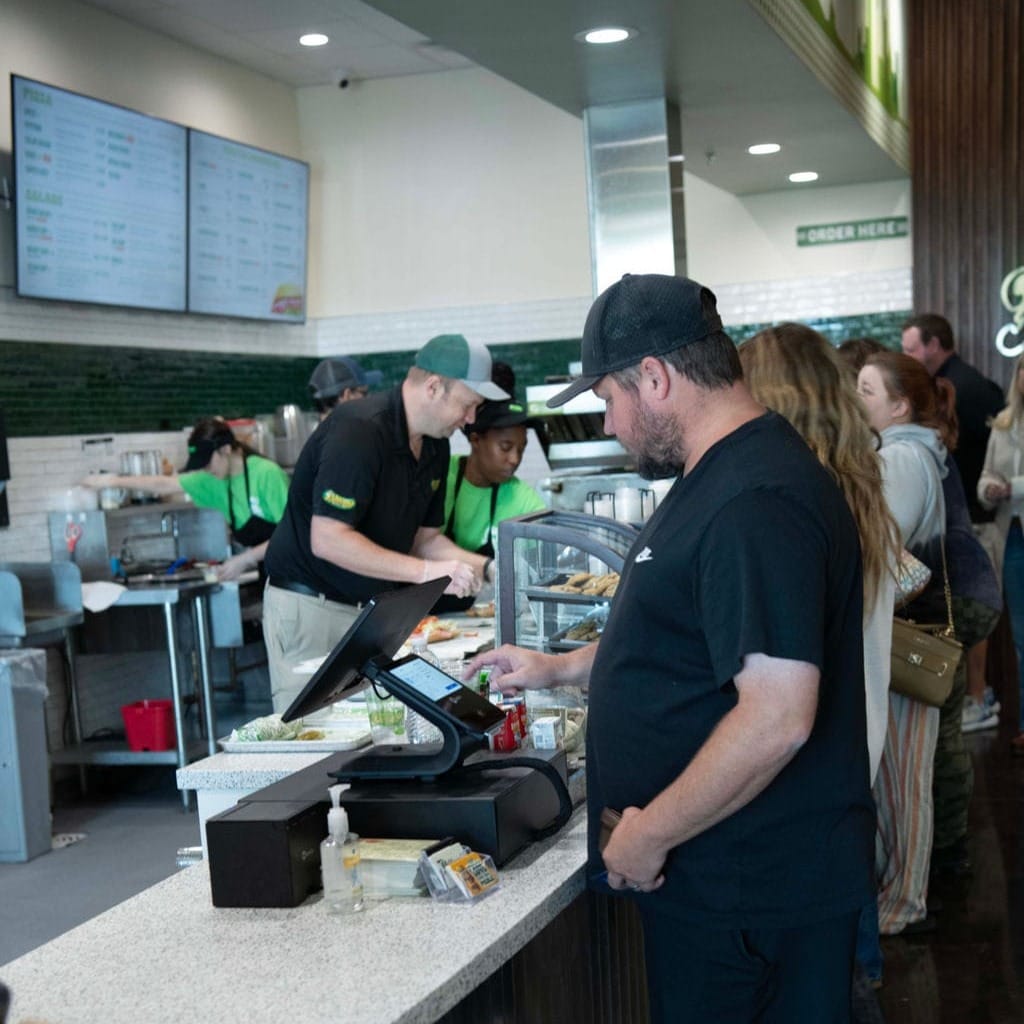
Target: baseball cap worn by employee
[494, 415]
[640, 315]
[332, 376]
[201, 449]
[451, 355]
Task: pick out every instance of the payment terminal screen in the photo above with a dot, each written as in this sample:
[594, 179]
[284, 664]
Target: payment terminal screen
[449, 694]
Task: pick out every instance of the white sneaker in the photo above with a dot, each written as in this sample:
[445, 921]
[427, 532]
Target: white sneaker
[977, 716]
[991, 702]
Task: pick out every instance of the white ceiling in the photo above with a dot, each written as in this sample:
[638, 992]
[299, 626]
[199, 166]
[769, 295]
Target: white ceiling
[733, 78]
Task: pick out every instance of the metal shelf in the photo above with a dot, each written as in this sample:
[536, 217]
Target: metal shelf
[117, 752]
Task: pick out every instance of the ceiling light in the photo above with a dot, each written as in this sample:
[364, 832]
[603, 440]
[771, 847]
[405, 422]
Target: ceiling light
[605, 35]
[764, 149]
[797, 176]
[313, 39]
[676, 158]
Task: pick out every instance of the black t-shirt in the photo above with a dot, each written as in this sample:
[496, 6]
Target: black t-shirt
[978, 399]
[357, 468]
[753, 551]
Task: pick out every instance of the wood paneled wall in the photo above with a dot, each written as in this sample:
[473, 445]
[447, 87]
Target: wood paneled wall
[967, 126]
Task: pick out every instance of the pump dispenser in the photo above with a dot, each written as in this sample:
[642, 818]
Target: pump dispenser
[339, 859]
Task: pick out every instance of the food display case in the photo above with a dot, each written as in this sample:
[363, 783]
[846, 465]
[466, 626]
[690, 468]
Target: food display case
[557, 576]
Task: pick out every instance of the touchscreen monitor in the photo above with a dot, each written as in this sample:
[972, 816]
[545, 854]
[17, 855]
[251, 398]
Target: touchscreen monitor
[382, 626]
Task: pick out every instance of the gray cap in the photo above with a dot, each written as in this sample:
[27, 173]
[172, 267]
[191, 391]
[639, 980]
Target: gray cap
[332, 376]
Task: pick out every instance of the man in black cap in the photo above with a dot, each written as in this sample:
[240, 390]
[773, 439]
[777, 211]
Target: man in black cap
[726, 712]
[340, 379]
[365, 508]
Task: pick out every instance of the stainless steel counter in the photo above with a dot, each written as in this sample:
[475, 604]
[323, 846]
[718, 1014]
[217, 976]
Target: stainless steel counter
[167, 596]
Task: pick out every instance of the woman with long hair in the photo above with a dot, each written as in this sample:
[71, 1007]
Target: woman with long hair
[795, 371]
[1001, 487]
[915, 415]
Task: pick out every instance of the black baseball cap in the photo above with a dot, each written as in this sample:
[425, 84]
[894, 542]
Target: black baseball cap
[640, 315]
[201, 449]
[494, 415]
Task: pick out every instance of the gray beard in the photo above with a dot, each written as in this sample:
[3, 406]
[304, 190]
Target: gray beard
[660, 452]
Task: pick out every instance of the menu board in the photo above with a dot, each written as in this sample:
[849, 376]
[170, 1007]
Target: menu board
[100, 200]
[247, 230]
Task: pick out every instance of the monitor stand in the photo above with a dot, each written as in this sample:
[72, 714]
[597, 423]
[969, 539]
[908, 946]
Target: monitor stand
[413, 761]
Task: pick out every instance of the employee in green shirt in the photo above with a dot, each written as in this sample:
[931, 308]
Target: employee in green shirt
[482, 487]
[223, 473]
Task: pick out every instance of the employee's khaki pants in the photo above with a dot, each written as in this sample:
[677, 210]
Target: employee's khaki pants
[297, 627]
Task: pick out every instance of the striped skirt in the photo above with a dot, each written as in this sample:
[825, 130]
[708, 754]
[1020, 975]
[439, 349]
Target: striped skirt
[903, 798]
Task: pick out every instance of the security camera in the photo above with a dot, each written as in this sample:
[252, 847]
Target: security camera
[344, 82]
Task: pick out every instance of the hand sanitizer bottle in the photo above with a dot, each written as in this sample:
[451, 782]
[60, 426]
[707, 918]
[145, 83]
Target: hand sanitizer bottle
[339, 860]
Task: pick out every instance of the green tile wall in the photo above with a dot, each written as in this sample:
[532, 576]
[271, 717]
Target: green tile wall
[57, 389]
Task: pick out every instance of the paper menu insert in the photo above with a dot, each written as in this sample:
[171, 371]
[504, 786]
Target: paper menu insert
[100, 200]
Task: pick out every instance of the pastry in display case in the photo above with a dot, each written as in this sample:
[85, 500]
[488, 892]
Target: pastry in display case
[557, 577]
[558, 573]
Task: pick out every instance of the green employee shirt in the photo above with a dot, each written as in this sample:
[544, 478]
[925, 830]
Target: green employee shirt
[473, 512]
[268, 491]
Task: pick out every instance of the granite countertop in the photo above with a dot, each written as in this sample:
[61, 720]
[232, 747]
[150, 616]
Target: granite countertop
[244, 772]
[169, 955]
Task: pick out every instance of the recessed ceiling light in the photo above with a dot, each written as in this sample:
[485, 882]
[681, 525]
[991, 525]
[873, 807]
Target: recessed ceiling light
[606, 34]
[764, 149]
[798, 176]
[676, 158]
[313, 39]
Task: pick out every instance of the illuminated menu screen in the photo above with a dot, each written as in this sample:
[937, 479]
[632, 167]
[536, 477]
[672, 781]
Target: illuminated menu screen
[100, 201]
[247, 231]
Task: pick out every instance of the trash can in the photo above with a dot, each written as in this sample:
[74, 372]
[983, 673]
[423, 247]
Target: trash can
[24, 764]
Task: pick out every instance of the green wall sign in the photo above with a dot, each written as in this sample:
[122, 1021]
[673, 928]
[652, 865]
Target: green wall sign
[853, 231]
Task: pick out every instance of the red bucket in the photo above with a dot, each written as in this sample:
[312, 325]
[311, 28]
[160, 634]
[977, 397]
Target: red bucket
[149, 725]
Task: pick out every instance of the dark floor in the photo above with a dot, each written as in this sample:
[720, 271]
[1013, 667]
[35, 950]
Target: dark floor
[969, 970]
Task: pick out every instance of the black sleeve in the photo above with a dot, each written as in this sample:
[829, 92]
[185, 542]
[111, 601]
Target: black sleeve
[762, 583]
[346, 475]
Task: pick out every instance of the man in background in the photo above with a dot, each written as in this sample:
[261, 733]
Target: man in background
[366, 507]
[340, 379]
[928, 338]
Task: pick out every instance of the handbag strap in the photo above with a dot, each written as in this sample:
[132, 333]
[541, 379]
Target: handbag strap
[949, 630]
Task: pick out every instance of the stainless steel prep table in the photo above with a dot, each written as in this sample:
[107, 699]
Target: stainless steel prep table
[167, 596]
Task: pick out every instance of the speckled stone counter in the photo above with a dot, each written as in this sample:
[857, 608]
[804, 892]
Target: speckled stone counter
[168, 955]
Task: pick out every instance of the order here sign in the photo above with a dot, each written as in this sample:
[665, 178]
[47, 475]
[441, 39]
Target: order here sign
[853, 231]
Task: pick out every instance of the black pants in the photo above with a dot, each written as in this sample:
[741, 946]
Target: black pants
[769, 976]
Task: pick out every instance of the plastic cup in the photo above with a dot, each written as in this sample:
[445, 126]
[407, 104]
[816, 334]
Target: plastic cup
[387, 716]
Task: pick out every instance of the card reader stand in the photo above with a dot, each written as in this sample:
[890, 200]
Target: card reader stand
[413, 761]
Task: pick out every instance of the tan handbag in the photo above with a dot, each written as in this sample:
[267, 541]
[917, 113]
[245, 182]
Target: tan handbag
[925, 658]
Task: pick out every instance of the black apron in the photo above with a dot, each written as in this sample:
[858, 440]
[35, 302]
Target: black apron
[449, 602]
[255, 530]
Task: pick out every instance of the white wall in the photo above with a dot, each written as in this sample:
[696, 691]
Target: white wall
[77, 47]
[447, 189]
[753, 238]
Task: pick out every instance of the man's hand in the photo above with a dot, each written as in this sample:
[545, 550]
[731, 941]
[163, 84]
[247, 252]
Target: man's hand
[515, 668]
[233, 567]
[633, 858]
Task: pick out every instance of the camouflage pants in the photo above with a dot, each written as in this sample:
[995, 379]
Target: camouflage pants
[954, 776]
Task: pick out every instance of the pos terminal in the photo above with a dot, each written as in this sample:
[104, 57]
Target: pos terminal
[263, 851]
[365, 655]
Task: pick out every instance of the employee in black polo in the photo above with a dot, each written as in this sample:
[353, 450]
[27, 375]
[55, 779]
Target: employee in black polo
[366, 507]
